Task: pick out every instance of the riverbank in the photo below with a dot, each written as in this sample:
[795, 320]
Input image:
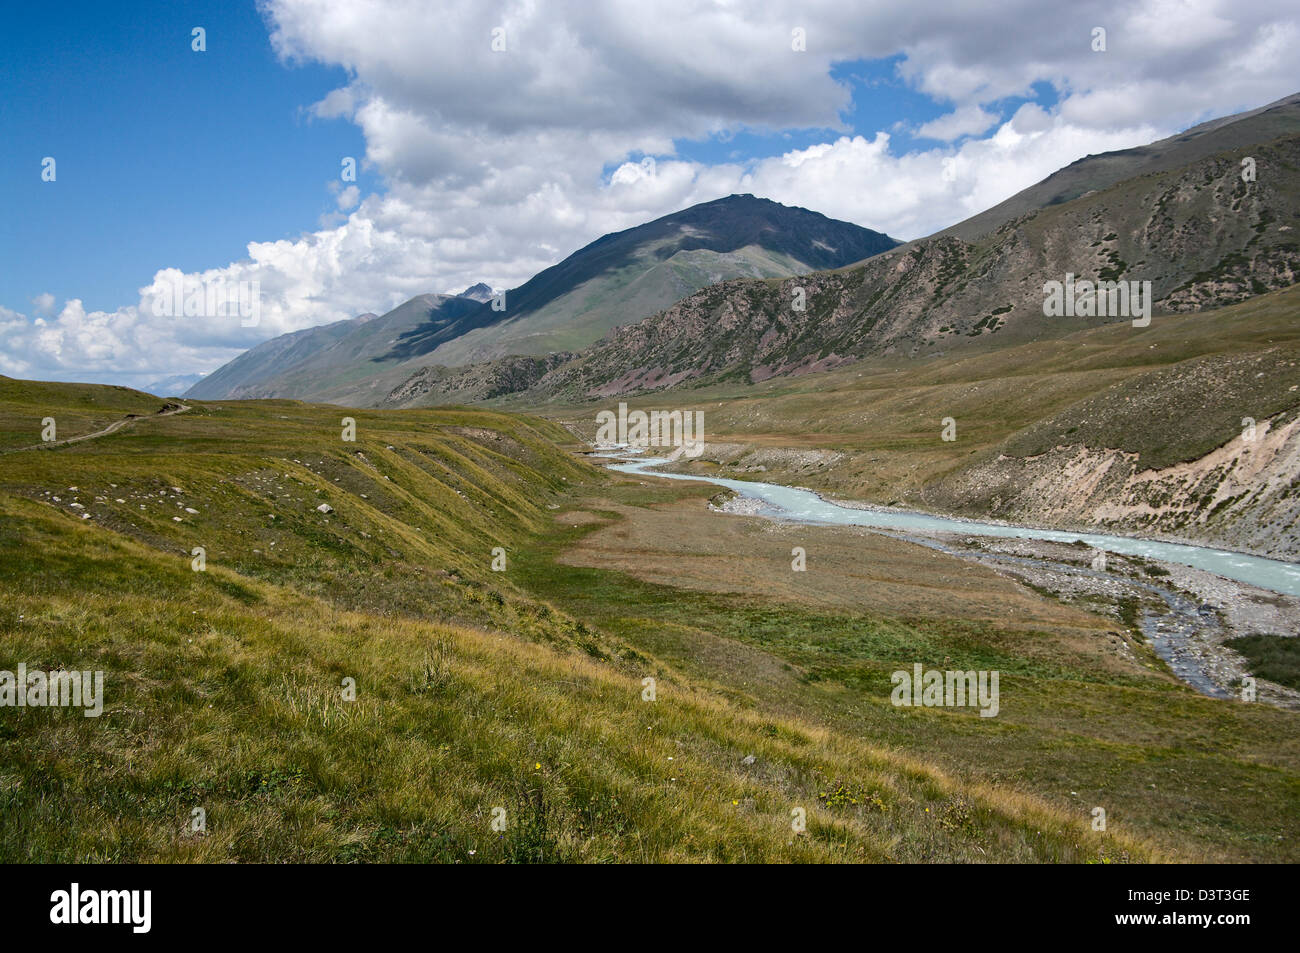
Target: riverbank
[1185, 613]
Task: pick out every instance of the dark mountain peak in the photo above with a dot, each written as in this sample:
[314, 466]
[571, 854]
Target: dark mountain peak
[722, 225]
[619, 278]
[478, 292]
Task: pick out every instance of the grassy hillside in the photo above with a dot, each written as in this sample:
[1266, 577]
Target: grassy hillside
[474, 691]
[656, 275]
[333, 361]
[1016, 392]
[77, 409]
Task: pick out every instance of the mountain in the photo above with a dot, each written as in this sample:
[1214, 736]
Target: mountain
[617, 279]
[1112, 429]
[625, 276]
[1201, 235]
[169, 386]
[1096, 172]
[1176, 213]
[479, 292]
[331, 361]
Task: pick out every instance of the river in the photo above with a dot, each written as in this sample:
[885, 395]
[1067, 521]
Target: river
[805, 506]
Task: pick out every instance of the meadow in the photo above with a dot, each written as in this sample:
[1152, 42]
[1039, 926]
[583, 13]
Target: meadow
[505, 715]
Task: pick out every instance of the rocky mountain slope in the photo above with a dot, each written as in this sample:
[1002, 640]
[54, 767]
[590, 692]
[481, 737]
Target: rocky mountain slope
[1095, 172]
[1200, 234]
[483, 381]
[1186, 430]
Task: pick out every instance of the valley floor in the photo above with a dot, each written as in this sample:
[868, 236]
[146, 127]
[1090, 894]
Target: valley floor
[1091, 716]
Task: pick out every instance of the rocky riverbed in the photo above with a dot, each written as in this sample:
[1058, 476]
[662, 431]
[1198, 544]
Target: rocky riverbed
[1185, 614]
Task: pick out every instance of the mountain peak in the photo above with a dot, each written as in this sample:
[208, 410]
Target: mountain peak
[478, 292]
[617, 279]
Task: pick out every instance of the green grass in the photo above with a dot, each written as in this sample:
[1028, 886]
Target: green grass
[1275, 657]
[1201, 778]
[224, 688]
[75, 408]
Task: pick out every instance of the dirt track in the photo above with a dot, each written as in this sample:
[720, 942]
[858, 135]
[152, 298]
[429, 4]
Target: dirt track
[114, 427]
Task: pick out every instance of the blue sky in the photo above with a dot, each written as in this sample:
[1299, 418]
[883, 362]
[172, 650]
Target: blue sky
[881, 101]
[483, 164]
[171, 157]
[165, 156]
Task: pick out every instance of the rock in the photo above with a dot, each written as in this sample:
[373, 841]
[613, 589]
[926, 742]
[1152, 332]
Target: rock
[324, 508]
[748, 759]
[190, 509]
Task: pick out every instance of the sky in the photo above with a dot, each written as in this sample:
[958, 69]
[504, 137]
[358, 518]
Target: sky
[491, 139]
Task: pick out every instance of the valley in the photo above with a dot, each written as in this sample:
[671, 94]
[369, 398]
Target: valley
[1125, 576]
[525, 689]
[1183, 431]
[395, 588]
[222, 684]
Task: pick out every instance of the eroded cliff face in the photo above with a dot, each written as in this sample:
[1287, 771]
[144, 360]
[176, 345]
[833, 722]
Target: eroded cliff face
[1244, 495]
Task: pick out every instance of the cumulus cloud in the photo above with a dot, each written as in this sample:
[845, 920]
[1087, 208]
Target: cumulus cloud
[970, 120]
[44, 303]
[348, 198]
[496, 164]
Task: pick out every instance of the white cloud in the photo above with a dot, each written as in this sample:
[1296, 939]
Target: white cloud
[970, 120]
[44, 303]
[496, 165]
[348, 198]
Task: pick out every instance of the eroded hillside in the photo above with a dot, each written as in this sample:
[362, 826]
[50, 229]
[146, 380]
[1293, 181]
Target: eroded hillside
[1185, 429]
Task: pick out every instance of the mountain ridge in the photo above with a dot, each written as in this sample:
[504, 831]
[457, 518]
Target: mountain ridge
[618, 278]
[1200, 234]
